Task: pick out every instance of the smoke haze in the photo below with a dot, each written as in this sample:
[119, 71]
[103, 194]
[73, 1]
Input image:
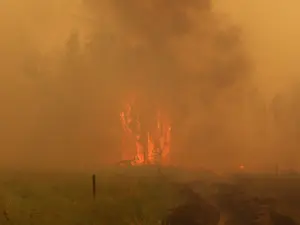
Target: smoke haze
[226, 72]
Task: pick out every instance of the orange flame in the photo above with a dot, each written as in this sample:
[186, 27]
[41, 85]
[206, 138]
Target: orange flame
[151, 146]
[241, 167]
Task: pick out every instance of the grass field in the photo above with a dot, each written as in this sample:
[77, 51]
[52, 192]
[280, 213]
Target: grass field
[124, 196]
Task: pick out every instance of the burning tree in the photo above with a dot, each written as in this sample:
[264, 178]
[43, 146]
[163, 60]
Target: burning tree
[186, 59]
[147, 134]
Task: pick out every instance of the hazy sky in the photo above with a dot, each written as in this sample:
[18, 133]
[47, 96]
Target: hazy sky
[270, 28]
[34, 32]
[271, 33]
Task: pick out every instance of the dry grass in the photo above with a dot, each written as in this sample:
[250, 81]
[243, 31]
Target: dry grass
[67, 199]
[64, 199]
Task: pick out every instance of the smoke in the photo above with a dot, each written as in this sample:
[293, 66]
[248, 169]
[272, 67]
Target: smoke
[68, 65]
[32, 35]
[186, 57]
[271, 34]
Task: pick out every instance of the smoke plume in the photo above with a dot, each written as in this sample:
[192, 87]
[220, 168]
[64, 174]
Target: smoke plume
[184, 56]
[67, 66]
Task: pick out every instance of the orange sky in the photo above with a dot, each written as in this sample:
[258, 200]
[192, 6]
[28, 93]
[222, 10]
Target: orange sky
[28, 28]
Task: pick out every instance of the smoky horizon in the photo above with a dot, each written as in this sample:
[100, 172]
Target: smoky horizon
[225, 74]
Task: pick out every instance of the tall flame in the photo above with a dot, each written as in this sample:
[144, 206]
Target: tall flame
[145, 146]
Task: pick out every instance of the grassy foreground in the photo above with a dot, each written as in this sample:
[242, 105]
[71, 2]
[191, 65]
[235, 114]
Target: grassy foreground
[124, 196]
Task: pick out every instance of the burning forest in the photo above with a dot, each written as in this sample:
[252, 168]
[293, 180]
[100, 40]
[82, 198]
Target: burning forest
[147, 136]
[187, 74]
[167, 83]
[183, 66]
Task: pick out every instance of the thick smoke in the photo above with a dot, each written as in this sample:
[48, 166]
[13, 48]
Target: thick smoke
[67, 66]
[182, 55]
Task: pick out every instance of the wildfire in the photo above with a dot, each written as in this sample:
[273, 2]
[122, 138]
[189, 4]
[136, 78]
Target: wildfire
[145, 144]
[241, 167]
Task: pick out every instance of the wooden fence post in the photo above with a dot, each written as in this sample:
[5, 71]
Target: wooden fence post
[94, 186]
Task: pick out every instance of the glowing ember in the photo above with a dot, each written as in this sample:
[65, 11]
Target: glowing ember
[150, 145]
[242, 167]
